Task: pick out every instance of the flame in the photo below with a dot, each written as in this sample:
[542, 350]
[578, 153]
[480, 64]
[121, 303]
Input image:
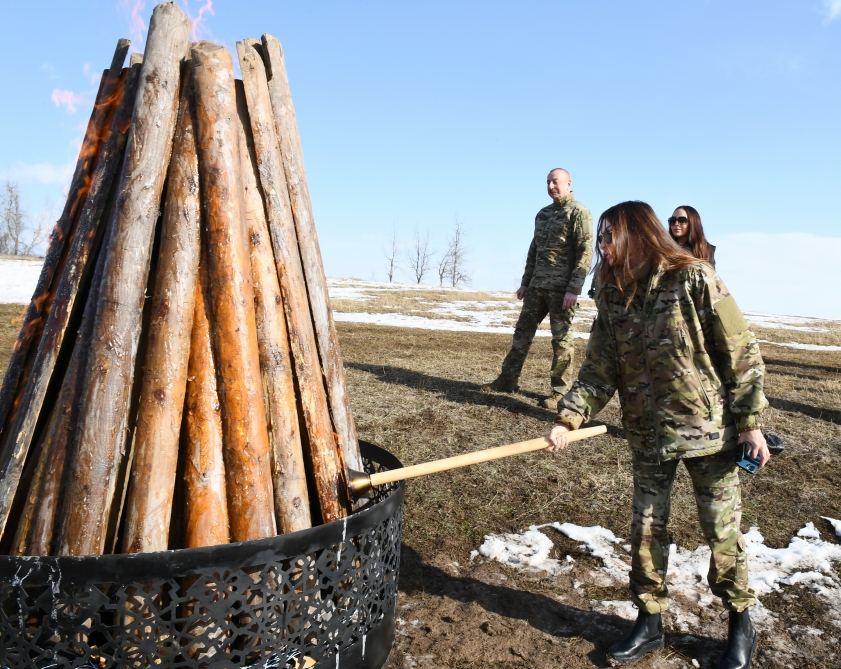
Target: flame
[206, 8]
[137, 25]
[136, 9]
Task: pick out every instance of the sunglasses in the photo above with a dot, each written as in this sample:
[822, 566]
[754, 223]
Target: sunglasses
[679, 219]
[605, 237]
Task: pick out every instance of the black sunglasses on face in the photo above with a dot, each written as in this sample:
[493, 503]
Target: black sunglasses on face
[605, 237]
[679, 219]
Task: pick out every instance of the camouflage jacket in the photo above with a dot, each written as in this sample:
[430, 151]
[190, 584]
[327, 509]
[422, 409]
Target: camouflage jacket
[687, 368]
[560, 252]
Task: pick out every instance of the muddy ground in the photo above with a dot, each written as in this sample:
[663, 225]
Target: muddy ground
[416, 394]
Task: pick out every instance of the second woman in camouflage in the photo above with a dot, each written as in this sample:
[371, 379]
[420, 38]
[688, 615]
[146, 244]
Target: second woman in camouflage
[686, 229]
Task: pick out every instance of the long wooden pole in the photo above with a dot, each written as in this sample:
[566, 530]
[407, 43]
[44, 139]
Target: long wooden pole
[77, 268]
[206, 522]
[362, 482]
[289, 477]
[107, 99]
[56, 437]
[325, 329]
[325, 454]
[158, 427]
[234, 329]
[103, 421]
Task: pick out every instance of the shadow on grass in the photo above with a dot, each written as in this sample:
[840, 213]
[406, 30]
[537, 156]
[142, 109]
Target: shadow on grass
[801, 365]
[541, 612]
[462, 392]
[818, 413]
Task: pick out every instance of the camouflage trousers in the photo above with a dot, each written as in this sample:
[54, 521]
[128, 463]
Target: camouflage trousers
[536, 304]
[718, 497]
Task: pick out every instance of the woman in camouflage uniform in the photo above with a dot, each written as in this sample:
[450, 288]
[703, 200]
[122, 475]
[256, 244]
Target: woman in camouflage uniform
[672, 341]
[686, 229]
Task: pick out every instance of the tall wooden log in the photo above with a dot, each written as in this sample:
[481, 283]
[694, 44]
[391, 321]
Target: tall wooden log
[77, 268]
[325, 454]
[103, 421]
[204, 469]
[247, 457]
[107, 99]
[45, 498]
[299, 196]
[158, 427]
[289, 476]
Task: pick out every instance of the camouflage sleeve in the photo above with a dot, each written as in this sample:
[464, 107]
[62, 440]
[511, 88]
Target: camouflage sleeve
[527, 274]
[734, 351]
[582, 249]
[597, 379]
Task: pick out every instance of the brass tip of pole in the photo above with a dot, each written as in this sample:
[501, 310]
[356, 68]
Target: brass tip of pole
[358, 482]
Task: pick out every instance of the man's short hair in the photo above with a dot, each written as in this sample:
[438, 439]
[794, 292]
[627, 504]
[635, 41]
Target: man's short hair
[560, 169]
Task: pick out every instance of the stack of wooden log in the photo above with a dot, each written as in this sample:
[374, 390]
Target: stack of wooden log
[177, 381]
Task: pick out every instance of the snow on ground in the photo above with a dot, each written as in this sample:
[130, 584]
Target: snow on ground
[804, 347]
[799, 323]
[419, 322]
[18, 278]
[806, 561]
[496, 314]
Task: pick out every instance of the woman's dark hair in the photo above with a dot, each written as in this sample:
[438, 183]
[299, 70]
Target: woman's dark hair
[639, 244]
[697, 242]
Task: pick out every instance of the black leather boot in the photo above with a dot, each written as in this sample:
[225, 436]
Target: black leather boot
[647, 636]
[741, 640]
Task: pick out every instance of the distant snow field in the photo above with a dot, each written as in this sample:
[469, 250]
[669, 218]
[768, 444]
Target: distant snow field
[494, 313]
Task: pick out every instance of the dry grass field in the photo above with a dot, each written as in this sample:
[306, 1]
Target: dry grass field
[416, 393]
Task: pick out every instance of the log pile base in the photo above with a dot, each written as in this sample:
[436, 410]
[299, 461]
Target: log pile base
[288, 601]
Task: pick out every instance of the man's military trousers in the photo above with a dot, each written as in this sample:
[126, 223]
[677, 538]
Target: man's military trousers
[536, 304]
[715, 480]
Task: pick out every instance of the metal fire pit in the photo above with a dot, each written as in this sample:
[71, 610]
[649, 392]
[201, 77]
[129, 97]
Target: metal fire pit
[325, 595]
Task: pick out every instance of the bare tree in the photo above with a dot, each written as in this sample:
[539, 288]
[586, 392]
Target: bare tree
[419, 256]
[13, 237]
[444, 267]
[452, 264]
[391, 256]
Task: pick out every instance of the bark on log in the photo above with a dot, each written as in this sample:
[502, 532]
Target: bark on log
[76, 272]
[299, 196]
[247, 458]
[57, 435]
[204, 470]
[158, 427]
[102, 428]
[289, 477]
[325, 454]
[107, 100]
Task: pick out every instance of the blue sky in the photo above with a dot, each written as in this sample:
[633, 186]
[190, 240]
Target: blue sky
[413, 116]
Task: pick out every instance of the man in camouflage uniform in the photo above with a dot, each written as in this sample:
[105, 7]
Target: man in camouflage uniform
[690, 380]
[557, 264]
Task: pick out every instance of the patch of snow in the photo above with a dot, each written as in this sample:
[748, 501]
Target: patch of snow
[419, 322]
[836, 524]
[804, 347]
[807, 561]
[18, 278]
[798, 323]
[529, 551]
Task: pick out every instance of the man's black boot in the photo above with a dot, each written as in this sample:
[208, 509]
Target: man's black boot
[741, 640]
[647, 636]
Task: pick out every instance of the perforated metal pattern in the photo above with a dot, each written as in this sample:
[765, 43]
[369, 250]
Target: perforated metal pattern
[327, 593]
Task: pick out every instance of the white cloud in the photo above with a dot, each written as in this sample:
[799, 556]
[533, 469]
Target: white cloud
[832, 10]
[50, 174]
[782, 273]
[68, 99]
